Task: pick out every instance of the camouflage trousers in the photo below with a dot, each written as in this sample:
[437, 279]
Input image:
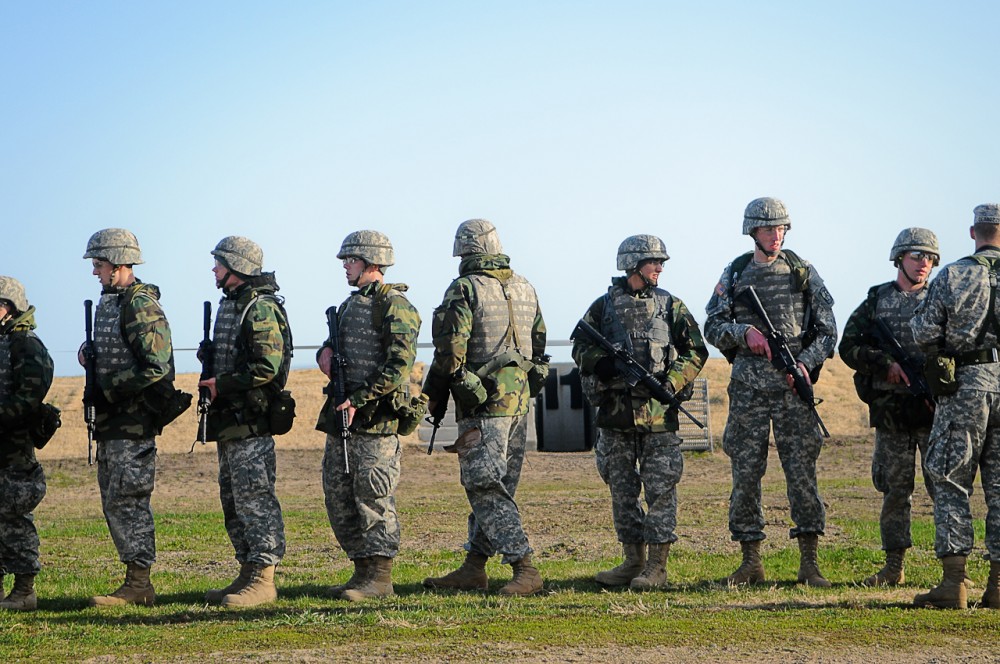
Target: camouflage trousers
[247, 470]
[491, 470]
[893, 474]
[362, 506]
[752, 413]
[633, 462]
[126, 471]
[965, 437]
[21, 490]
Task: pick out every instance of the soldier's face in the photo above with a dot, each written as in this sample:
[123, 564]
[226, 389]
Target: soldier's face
[650, 270]
[770, 237]
[4, 310]
[918, 265]
[353, 267]
[104, 271]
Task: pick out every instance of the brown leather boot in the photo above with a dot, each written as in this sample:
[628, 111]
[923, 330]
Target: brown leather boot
[22, 596]
[891, 573]
[809, 573]
[654, 574]
[259, 590]
[951, 593]
[378, 583]
[751, 570]
[358, 577]
[526, 581]
[136, 589]
[215, 595]
[991, 598]
[631, 566]
[471, 575]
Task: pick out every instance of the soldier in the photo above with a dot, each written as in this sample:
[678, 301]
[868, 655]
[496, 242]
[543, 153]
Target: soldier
[662, 335]
[489, 344]
[761, 395]
[902, 420]
[135, 374]
[957, 327]
[253, 349]
[378, 328]
[25, 378]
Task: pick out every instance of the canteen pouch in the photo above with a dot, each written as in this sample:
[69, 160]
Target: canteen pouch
[939, 370]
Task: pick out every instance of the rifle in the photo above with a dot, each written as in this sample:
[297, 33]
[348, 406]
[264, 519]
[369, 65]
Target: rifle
[782, 358]
[434, 419]
[206, 353]
[90, 386]
[913, 368]
[336, 387]
[630, 369]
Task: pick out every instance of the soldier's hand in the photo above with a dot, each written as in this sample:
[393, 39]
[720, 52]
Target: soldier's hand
[350, 411]
[324, 359]
[896, 375]
[805, 375]
[757, 342]
[605, 368]
[210, 384]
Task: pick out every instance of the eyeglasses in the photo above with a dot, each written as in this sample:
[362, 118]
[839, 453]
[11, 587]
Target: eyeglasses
[921, 256]
[351, 260]
[651, 261]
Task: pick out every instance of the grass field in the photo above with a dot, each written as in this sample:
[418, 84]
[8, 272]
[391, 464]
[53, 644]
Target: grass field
[566, 512]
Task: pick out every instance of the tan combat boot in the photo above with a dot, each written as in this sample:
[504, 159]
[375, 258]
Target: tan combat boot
[378, 583]
[358, 577]
[631, 567]
[654, 574]
[136, 589]
[215, 595]
[951, 593]
[991, 598]
[22, 596]
[526, 581]
[259, 590]
[892, 573]
[809, 573]
[470, 576]
[751, 570]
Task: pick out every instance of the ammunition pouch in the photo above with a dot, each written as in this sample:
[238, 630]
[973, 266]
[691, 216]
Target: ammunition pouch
[42, 424]
[409, 410]
[865, 388]
[164, 403]
[538, 373]
[468, 390]
[939, 370]
[281, 413]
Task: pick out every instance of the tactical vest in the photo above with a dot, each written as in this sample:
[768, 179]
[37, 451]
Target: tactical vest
[641, 325]
[361, 340]
[6, 370]
[113, 352]
[503, 320]
[896, 309]
[225, 335]
[783, 300]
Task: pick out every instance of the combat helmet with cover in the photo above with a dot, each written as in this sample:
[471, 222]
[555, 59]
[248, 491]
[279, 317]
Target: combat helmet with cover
[987, 213]
[240, 255]
[637, 248]
[115, 245]
[12, 291]
[372, 247]
[765, 212]
[476, 236]
[915, 239]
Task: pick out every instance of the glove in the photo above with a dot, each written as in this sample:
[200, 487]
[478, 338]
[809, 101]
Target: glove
[668, 387]
[605, 368]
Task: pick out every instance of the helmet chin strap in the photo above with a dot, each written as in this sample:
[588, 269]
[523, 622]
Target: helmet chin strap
[221, 283]
[906, 274]
[769, 254]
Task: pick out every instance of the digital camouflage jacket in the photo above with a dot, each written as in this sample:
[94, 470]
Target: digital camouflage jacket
[26, 374]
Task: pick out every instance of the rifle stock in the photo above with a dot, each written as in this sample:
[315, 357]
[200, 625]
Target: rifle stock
[90, 385]
[336, 388]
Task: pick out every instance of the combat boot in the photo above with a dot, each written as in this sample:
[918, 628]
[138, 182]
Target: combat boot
[358, 577]
[136, 589]
[259, 590]
[951, 593]
[991, 598]
[471, 575]
[215, 595]
[891, 573]
[22, 596]
[631, 567]
[378, 582]
[751, 570]
[654, 574]
[526, 581]
[809, 573]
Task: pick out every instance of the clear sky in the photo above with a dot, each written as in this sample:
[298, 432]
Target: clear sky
[569, 124]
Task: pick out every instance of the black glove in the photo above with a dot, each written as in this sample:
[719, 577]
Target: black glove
[668, 387]
[605, 368]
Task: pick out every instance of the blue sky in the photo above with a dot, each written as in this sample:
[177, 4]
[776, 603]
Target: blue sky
[569, 124]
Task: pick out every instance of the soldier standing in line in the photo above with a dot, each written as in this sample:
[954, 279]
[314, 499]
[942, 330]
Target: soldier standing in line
[761, 395]
[958, 327]
[902, 420]
[638, 448]
[489, 345]
[377, 330]
[135, 374]
[253, 349]
[25, 378]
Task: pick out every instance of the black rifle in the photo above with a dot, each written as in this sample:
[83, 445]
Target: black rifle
[435, 418]
[630, 369]
[336, 388]
[782, 358]
[206, 353]
[90, 386]
[912, 367]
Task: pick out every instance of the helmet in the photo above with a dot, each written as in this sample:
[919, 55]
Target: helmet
[115, 245]
[13, 291]
[988, 213]
[637, 248]
[765, 212]
[240, 255]
[476, 236]
[372, 246]
[915, 239]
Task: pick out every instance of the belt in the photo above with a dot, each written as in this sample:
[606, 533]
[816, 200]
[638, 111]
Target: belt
[984, 356]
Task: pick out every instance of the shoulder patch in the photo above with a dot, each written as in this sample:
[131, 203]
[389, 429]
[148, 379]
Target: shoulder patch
[720, 289]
